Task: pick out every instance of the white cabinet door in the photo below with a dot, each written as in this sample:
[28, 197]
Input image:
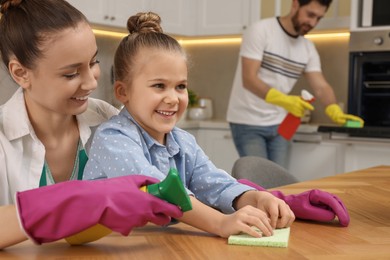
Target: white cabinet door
[179, 17]
[220, 17]
[94, 10]
[219, 147]
[362, 156]
[114, 13]
[315, 160]
[119, 11]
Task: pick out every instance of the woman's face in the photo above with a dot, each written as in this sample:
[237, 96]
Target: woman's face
[65, 75]
[157, 95]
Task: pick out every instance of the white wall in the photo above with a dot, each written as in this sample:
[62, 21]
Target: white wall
[7, 85]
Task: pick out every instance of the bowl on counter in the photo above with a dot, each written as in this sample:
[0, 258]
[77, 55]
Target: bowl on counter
[197, 113]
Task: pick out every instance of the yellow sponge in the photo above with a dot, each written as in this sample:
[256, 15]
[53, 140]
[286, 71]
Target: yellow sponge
[278, 239]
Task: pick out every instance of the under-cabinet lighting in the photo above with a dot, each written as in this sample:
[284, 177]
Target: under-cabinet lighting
[327, 35]
[224, 40]
[210, 41]
[109, 33]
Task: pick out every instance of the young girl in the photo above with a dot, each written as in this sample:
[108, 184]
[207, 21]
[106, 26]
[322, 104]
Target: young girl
[50, 51]
[151, 82]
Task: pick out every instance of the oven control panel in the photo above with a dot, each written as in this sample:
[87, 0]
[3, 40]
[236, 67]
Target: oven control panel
[370, 41]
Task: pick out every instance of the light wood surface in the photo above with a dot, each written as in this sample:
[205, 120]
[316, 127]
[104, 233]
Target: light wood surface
[366, 194]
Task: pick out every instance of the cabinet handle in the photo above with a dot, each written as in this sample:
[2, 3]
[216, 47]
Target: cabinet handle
[106, 17]
[112, 18]
[227, 136]
[307, 141]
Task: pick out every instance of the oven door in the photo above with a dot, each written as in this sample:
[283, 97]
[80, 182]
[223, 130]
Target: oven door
[369, 87]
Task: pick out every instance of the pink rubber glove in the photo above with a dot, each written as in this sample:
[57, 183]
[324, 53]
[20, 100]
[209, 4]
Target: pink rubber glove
[57, 211]
[311, 205]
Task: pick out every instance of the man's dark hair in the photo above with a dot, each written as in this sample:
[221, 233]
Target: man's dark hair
[321, 2]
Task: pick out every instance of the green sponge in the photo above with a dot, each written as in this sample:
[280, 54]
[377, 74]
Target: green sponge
[278, 239]
[352, 123]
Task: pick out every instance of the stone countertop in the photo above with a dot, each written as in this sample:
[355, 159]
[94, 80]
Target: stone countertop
[305, 133]
[221, 124]
[203, 124]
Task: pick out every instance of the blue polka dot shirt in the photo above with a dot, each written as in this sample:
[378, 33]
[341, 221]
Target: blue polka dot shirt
[121, 147]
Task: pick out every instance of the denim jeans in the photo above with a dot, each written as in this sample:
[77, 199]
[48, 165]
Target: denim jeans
[263, 141]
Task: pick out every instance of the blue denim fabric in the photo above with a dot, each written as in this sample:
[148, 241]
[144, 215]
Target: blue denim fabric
[263, 141]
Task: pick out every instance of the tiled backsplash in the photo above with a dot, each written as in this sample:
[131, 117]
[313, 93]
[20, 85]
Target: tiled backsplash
[212, 68]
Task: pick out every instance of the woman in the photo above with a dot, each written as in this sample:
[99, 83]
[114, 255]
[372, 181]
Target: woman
[51, 53]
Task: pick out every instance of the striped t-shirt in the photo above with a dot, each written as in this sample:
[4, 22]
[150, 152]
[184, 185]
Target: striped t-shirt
[283, 60]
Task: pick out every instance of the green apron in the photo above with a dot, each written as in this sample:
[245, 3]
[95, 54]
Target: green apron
[80, 162]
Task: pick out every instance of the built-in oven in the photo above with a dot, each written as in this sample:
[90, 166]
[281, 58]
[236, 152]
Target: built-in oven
[369, 77]
[369, 87]
[369, 84]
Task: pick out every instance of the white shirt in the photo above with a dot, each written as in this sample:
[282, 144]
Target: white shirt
[283, 60]
[22, 154]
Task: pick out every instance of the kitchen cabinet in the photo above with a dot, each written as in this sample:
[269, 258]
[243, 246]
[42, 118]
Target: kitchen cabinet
[204, 17]
[312, 160]
[215, 138]
[179, 17]
[363, 155]
[313, 155]
[218, 146]
[337, 17]
[114, 13]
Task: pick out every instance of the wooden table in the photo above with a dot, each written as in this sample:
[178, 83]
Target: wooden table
[366, 194]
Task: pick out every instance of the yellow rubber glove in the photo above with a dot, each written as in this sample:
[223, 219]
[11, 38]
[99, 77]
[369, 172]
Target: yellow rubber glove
[335, 113]
[293, 104]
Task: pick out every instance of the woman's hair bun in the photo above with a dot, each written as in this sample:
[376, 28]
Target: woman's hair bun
[6, 4]
[144, 23]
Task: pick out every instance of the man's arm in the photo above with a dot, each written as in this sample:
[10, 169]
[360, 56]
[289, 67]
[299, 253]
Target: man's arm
[250, 80]
[293, 104]
[321, 88]
[324, 92]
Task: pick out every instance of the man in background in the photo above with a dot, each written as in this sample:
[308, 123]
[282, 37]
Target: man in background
[273, 55]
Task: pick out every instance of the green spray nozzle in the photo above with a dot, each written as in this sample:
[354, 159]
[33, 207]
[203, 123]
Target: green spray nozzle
[172, 190]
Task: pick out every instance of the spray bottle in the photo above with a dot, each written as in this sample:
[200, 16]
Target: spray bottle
[291, 123]
[171, 189]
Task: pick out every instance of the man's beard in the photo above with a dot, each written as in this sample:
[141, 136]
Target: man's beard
[299, 27]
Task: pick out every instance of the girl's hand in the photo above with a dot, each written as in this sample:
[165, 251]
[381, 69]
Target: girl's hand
[277, 210]
[243, 220]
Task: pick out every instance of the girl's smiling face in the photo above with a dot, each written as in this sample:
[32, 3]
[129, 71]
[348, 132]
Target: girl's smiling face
[156, 92]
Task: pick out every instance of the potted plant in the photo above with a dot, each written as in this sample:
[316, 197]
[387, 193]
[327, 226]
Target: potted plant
[193, 98]
[195, 112]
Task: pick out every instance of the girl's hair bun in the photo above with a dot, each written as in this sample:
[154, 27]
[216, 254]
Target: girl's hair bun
[144, 23]
[6, 4]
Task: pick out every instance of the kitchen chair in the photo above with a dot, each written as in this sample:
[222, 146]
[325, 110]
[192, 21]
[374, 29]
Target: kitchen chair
[262, 171]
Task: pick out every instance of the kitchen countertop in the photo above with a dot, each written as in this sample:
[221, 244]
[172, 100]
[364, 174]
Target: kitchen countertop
[204, 124]
[221, 124]
[305, 132]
